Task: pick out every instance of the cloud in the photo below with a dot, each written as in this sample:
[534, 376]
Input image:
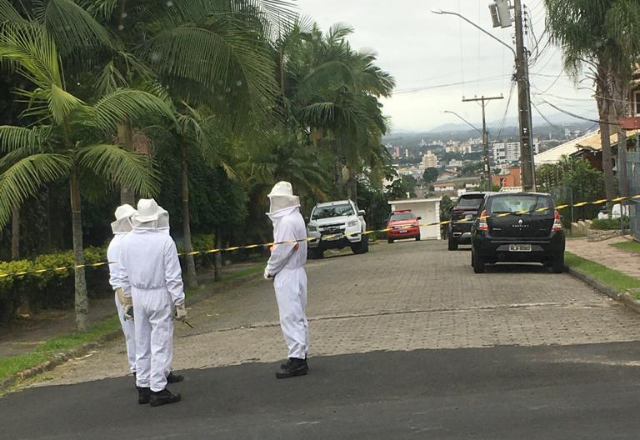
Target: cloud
[426, 53]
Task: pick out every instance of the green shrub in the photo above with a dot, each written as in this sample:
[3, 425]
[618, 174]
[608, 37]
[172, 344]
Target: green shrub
[49, 283]
[609, 223]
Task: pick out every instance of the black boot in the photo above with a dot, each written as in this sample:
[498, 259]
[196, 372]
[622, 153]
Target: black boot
[164, 397]
[174, 378]
[293, 367]
[144, 395]
[284, 364]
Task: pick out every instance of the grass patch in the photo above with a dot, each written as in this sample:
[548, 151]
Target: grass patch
[45, 351]
[629, 246]
[610, 277]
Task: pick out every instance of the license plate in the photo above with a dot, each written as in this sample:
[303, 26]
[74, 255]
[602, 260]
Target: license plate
[332, 237]
[403, 231]
[519, 248]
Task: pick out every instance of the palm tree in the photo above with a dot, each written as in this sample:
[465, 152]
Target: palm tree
[70, 140]
[603, 35]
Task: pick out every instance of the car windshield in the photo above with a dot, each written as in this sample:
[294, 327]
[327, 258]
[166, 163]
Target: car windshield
[332, 211]
[516, 204]
[469, 202]
[403, 216]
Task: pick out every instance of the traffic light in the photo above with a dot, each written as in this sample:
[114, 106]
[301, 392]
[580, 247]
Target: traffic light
[500, 13]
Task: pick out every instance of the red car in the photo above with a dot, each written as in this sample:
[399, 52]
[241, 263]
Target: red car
[403, 224]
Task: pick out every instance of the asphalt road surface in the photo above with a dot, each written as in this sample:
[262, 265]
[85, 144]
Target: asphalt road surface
[406, 343]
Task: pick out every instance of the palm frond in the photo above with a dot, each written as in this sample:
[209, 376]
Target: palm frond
[9, 14]
[73, 28]
[24, 178]
[14, 138]
[126, 105]
[62, 103]
[32, 52]
[122, 167]
[222, 58]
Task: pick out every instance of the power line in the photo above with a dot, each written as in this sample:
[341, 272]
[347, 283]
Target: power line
[440, 86]
[577, 116]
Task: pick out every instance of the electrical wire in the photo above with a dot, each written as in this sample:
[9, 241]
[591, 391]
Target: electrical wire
[578, 116]
[441, 86]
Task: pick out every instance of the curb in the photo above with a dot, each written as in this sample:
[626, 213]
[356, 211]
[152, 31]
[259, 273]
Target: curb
[609, 291]
[56, 360]
[62, 357]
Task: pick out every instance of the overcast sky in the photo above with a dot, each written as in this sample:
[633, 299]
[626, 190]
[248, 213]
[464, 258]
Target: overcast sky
[438, 59]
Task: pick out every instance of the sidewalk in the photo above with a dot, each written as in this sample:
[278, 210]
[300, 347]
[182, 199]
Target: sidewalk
[23, 335]
[601, 252]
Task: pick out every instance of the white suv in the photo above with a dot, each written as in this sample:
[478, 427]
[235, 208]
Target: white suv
[336, 225]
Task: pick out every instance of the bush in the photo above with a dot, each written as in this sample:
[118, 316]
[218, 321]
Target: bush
[609, 224]
[53, 287]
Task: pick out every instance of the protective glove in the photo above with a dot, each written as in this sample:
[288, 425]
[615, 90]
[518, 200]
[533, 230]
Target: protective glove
[180, 312]
[267, 275]
[126, 303]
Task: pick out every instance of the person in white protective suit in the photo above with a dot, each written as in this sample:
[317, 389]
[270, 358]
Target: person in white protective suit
[286, 267]
[120, 228]
[153, 279]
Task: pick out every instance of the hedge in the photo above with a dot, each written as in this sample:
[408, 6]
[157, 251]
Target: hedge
[612, 224]
[55, 289]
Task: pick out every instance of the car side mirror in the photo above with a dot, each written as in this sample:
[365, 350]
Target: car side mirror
[419, 218]
[361, 212]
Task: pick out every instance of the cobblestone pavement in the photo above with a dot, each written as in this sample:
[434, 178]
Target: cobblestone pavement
[403, 296]
[602, 252]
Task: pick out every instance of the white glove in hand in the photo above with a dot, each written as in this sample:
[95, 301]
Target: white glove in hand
[180, 313]
[267, 275]
[126, 303]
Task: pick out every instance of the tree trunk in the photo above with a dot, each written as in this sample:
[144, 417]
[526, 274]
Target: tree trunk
[218, 257]
[621, 110]
[15, 233]
[604, 112]
[191, 280]
[125, 139]
[81, 297]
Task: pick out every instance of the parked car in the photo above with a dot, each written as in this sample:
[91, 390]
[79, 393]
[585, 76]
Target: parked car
[403, 224]
[518, 227]
[462, 216]
[336, 225]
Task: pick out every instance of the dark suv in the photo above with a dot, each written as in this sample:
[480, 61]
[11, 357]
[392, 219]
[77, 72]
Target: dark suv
[462, 217]
[517, 227]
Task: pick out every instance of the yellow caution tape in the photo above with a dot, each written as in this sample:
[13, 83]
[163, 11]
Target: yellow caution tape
[325, 237]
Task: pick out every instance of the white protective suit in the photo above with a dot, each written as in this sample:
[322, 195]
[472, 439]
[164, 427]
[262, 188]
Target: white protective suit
[286, 264]
[150, 258]
[121, 228]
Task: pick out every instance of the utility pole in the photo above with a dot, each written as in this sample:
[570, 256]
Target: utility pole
[485, 138]
[524, 103]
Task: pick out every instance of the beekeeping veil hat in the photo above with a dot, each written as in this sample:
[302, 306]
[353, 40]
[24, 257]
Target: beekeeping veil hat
[149, 215]
[281, 197]
[163, 221]
[123, 215]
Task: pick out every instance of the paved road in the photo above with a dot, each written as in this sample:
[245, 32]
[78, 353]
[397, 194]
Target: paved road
[406, 343]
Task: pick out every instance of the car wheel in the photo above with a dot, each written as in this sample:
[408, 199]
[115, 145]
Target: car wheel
[418, 238]
[453, 244]
[477, 262]
[389, 240]
[317, 254]
[558, 264]
[362, 247]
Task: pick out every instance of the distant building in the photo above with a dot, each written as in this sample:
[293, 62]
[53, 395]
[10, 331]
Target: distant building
[397, 155]
[511, 179]
[429, 160]
[443, 187]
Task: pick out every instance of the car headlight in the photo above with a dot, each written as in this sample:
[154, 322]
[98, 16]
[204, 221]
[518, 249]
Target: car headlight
[312, 228]
[352, 223]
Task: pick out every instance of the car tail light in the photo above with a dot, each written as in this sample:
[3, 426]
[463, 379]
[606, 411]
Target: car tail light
[557, 223]
[482, 224]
